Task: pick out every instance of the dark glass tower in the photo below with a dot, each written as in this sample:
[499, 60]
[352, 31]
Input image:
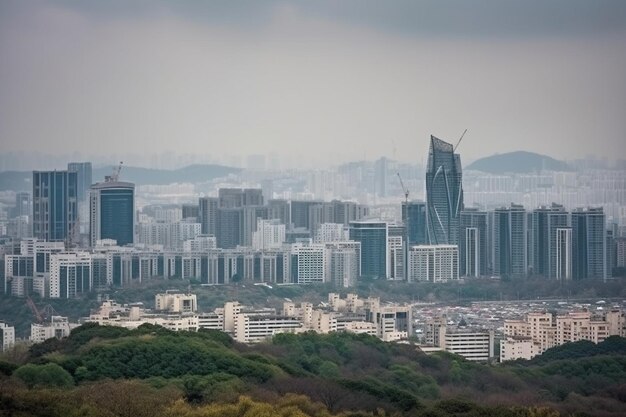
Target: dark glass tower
[416, 222]
[444, 193]
[589, 243]
[55, 208]
[373, 237]
[112, 212]
[83, 177]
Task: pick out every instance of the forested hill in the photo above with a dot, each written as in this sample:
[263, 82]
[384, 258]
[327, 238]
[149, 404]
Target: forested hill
[517, 162]
[105, 371]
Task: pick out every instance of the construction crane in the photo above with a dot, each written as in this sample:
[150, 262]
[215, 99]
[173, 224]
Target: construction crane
[459, 142]
[406, 228]
[115, 175]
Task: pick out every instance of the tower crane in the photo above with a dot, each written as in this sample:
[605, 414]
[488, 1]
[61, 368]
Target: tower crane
[459, 142]
[115, 175]
[406, 228]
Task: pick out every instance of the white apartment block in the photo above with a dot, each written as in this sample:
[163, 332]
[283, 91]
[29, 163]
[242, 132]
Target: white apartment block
[395, 257]
[545, 331]
[251, 328]
[175, 302]
[474, 345]
[433, 263]
[270, 234]
[7, 336]
[313, 263]
[57, 327]
[200, 243]
[331, 232]
[70, 274]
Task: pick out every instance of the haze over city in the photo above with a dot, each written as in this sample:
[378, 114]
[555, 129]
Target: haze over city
[323, 82]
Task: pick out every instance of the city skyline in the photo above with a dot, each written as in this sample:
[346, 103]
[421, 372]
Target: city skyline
[313, 81]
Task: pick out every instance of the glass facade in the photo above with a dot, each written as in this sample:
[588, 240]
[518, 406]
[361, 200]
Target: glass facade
[117, 215]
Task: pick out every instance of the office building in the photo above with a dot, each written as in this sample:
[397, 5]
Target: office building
[331, 232]
[475, 345]
[373, 237]
[312, 263]
[563, 254]
[175, 302]
[414, 217]
[300, 213]
[473, 238]
[55, 208]
[237, 197]
[589, 244]
[112, 212]
[444, 193]
[279, 209]
[191, 212]
[510, 249]
[344, 263]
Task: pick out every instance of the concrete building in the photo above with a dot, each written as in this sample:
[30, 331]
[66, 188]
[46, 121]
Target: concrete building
[57, 327]
[344, 263]
[207, 213]
[392, 322]
[433, 263]
[549, 229]
[473, 247]
[175, 302]
[7, 336]
[473, 344]
[510, 246]
[269, 234]
[258, 328]
[70, 274]
[312, 263]
[331, 232]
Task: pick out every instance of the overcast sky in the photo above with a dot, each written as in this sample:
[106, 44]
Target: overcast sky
[314, 79]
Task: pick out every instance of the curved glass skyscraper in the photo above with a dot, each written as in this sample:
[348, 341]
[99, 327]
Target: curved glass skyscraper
[444, 193]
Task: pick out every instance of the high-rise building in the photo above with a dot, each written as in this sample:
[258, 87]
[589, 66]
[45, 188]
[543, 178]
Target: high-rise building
[112, 212]
[563, 253]
[55, 209]
[589, 243]
[237, 197]
[270, 234]
[433, 263]
[373, 236]
[70, 274]
[300, 213]
[23, 204]
[415, 218]
[207, 211]
[279, 209]
[510, 256]
[191, 211]
[444, 193]
[473, 248]
[83, 178]
[545, 222]
[228, 228]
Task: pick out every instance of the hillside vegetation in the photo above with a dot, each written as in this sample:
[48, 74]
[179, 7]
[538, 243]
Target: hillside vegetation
[150, 371]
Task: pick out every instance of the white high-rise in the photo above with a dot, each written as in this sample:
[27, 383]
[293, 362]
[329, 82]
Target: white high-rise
[434, 263]
[270, 234]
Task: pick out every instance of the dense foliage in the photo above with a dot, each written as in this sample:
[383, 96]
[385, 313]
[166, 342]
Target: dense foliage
[104, 371]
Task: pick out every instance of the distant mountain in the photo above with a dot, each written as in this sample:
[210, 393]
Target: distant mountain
[518, 162]
[22, 180]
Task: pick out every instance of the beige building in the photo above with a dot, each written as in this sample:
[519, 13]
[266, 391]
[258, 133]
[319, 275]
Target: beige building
[175, 302]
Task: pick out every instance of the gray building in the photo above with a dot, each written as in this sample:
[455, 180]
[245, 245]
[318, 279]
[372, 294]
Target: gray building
[83, 178]
[444, 193]
[414, 217]
[545, 223]
[473, 243]
[55, 205]
[510, 250]
[589, 243]
[207, 213]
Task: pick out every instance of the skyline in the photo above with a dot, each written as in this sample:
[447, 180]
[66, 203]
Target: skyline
[321, 82]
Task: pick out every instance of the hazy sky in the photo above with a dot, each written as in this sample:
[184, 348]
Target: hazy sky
[313, 79]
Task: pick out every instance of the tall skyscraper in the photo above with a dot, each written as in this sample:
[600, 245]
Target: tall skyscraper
[416, 223]
[83, 172]
[546, 221]
[444, 193]
[373, 236]
[510, 256]
[55, 209]
[473, 249]
[23, 204]
[563, 254]
[207, 212]
[112, 212]
[589, 243]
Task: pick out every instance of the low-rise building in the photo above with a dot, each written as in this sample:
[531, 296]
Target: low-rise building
[7, 336]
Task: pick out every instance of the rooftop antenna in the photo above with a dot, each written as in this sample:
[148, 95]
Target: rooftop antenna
[459, 142]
